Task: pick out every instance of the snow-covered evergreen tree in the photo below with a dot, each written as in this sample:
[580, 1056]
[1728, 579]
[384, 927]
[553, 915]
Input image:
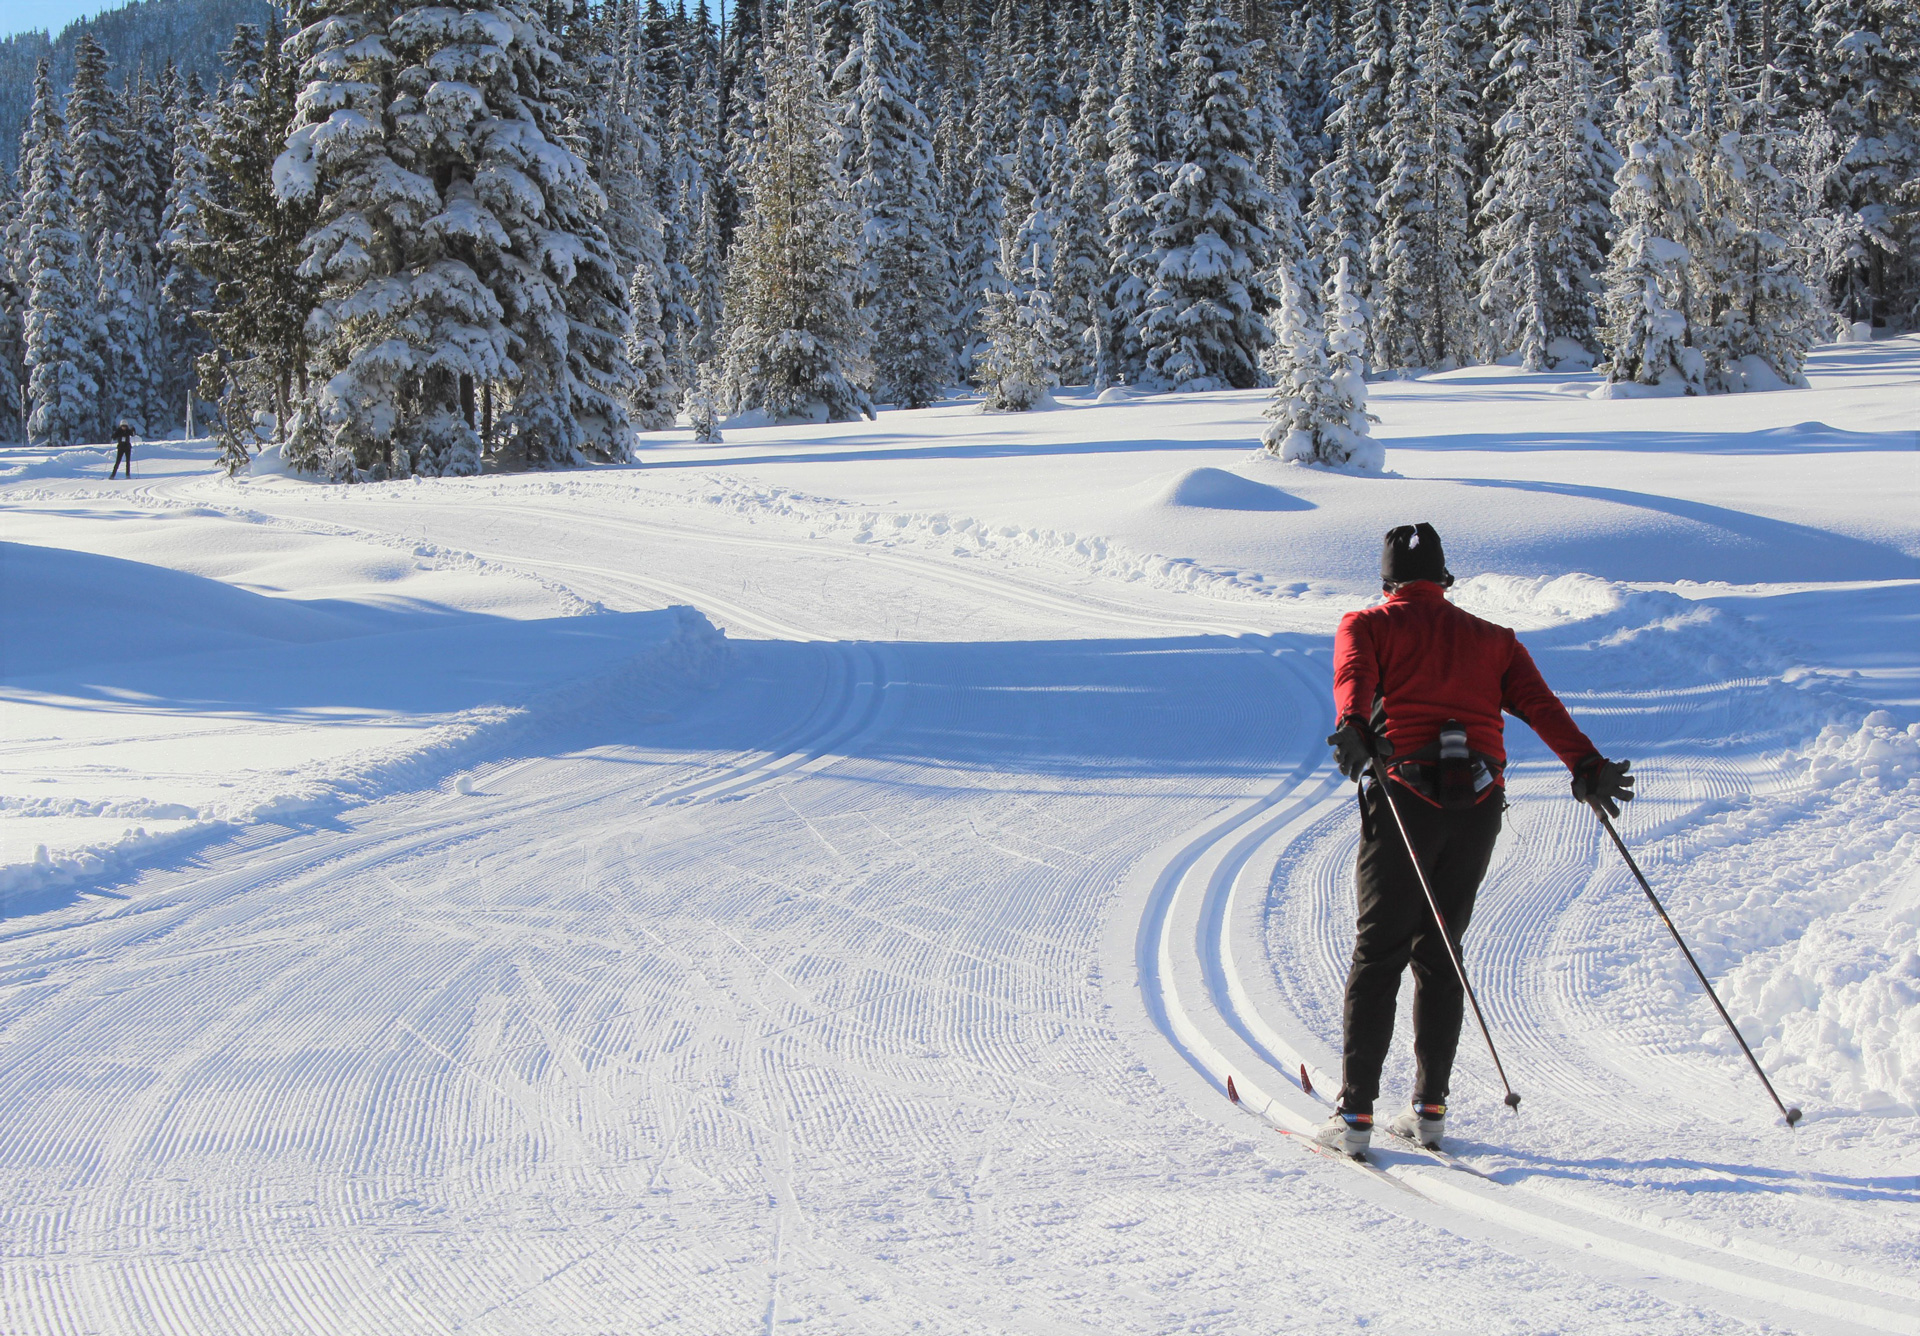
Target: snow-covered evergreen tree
[126, 298]
[63, 375]
[13, 307]
[1082, 278]
[1866, 58]
[1204, 323]
[1025, 340]
[1341, 224]
[653, 392]
[1757, 317]
[797, 348]
[979, 228]
[1346, 186]
[1544, 207]
[703, 405]
[1317, 413]
[1347, 437]
[1421, 255]
[570, 65]
[249, 249]
[1133, 182]
[98, 146]
[457, 243]
[185, 288]
[1647, 330]
[905, 284]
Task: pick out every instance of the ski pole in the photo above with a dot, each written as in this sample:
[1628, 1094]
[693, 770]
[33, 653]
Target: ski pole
[1792, 1115]
[1440, 921]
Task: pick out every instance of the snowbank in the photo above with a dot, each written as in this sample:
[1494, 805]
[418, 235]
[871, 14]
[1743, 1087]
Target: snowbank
[1821, 910]
[148, 707]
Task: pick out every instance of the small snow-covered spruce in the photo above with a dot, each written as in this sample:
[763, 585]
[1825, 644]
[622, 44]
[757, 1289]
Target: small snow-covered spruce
[1318, 410]
[652, 393]
[1026, 339]
[62, 366]
[1204, 323]
[1647, 331]
[797, 349]
[703, 407]
[1018, 368]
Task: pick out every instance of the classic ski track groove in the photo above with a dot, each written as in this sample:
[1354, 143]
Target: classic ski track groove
[1626, 1241]
[1188, 980]
[1185, 950]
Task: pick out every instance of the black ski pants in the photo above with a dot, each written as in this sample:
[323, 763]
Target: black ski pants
[122, 454]
[1395, 928]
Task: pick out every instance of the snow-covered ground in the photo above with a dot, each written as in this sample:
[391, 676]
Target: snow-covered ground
[823, 881]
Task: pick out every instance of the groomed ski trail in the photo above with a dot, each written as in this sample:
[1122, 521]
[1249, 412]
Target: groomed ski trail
[1202, 903]
[1189, 908]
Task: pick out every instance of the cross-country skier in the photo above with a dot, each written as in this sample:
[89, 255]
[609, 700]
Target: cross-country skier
[122, 450]
[1419, 685]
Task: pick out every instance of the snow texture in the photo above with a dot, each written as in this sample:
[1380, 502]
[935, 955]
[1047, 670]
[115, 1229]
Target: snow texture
[416, 912]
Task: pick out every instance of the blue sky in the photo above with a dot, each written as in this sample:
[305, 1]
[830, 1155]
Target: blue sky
[47, 15]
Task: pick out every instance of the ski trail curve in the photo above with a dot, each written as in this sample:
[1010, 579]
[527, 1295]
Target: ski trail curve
[1202, 899]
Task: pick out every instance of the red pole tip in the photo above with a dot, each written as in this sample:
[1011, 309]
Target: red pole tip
[1232, 1094]
[1306, 1082]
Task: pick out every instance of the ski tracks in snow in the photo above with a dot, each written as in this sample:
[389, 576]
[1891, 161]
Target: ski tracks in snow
[768, 1018]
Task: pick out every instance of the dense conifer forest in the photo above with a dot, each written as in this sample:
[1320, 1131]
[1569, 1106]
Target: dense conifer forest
[397, 238]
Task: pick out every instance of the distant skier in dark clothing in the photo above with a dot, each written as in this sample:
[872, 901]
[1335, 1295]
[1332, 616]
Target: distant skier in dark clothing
[122, 450]
[1419, 685]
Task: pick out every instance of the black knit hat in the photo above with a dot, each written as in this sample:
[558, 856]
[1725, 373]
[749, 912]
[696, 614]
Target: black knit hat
[1413, 552]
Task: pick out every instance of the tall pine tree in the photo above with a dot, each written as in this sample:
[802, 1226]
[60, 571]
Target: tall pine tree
[1204, 326]
[797, 347]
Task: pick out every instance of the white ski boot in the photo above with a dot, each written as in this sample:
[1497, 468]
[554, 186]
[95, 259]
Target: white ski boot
[1348, 1133]
[1424, 1124]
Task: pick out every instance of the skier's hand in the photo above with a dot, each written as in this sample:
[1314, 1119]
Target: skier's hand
[1598, 780]
[1355, 746]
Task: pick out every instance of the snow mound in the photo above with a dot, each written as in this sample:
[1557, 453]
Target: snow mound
[1811, 904]
[1217, 489]
[1670, 388]
[65, 608]
[947, 534]
[199, 705]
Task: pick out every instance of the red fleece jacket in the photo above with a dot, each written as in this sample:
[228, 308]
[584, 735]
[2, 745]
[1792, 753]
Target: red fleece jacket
[1435, 663]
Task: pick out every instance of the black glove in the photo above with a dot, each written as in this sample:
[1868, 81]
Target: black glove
[1598, 780]
[1355, 746]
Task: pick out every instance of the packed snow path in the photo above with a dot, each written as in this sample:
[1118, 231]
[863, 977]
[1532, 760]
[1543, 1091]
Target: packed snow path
[892, 984]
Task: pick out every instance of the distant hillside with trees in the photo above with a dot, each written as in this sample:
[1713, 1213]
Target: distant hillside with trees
[145, 34]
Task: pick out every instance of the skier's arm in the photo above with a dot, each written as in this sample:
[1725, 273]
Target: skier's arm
[1525, 695]
[1356, 669]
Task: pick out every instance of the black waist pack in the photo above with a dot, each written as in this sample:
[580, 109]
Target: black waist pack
[1448, 773]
